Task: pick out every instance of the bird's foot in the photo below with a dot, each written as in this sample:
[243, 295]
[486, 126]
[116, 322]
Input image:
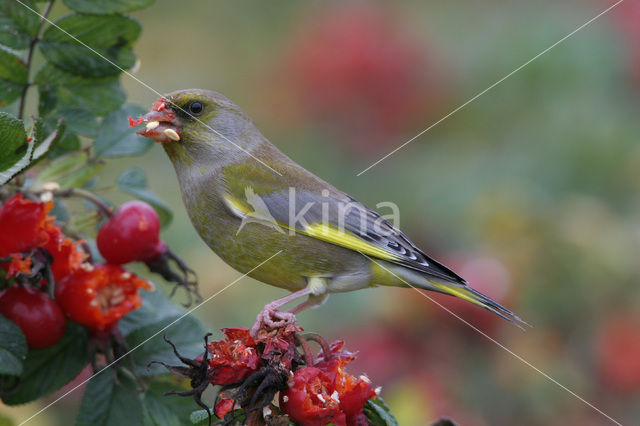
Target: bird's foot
[271, 318]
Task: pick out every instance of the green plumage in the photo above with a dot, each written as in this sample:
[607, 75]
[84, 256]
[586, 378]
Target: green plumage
[238, 190]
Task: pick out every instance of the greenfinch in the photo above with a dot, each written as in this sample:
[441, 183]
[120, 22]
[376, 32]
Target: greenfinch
[251, 203]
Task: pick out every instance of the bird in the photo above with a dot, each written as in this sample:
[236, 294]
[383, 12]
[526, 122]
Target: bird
[270, 218]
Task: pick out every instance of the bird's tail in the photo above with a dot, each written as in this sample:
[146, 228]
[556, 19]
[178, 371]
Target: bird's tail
[467, 293]
[390, 274]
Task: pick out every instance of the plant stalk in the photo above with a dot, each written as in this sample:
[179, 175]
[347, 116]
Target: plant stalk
[32, 46]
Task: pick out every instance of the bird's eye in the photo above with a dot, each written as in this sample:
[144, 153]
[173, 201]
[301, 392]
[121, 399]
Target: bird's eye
[195, 107]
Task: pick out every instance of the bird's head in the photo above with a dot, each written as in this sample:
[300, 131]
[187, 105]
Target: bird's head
[196, 123]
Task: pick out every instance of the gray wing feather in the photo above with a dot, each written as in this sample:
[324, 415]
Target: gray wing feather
[300, 207]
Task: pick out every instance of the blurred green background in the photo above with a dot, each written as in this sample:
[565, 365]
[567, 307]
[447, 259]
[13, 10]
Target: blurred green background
[531, 192]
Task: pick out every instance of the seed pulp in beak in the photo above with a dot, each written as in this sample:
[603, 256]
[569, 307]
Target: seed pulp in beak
[160, 125]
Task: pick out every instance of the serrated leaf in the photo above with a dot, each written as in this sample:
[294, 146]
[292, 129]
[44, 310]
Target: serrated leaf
[18, 25]
[134, 181]
[13, 347]
[13, 76]
[107, 403]
[38, 130]
[110, 36]
[186, 333]
[105, 7]
[60, 89]
[169, 410]
[47, 370]
[115, 137]
[378, 413]
[13, 140]
[15, 150]
[44, 144]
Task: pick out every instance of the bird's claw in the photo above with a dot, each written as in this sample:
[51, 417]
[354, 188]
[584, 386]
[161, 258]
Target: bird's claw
[271, 318]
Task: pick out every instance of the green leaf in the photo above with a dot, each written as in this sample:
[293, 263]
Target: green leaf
[111, 36]
[158, 311]
[186, 333]
[117, 139]
[15, 151]
[72, 170]
[44, 144]
[13, 140]
[82, 176]
[134, 181]
[68, 143]
[18, 25]
[106, 403]
[169, 410]
[79, 120]
[60, 89]
[60, 211]
[63, 166]
[13, 76]
[378, 413]
[156, 306]
[47, 370]
[105, 7]
[13, 347]
[200, 417]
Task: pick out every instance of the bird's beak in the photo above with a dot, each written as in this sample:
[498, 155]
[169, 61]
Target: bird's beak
[161, 123]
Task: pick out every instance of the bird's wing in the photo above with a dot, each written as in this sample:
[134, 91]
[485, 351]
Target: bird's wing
[320, 211]
[335, 218]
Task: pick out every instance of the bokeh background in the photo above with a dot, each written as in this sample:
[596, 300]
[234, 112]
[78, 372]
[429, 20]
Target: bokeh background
[531, 192]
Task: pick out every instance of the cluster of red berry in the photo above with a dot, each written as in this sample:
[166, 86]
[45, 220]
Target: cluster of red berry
[252, 369]
[324, 393]
[51, 277]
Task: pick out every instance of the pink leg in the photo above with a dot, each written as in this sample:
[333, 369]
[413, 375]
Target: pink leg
[271, 317]
[309, 303]
[301, 307]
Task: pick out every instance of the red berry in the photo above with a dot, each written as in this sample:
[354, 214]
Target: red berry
[223, 407]
[234, 358]
[310, 401]
[39, 317]
[133, 233]
[98, 297]
[23, 224]
[66, 255]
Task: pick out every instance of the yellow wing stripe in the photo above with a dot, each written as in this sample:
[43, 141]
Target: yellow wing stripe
[335, 236]
[322, 232]
[236, 206]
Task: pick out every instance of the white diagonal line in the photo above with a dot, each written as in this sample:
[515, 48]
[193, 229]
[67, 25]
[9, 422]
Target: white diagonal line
[491, 87]
[518, 357]
[189, 312]
[148, 87]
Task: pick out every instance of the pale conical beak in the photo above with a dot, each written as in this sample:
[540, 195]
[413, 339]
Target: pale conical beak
[161, 124]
